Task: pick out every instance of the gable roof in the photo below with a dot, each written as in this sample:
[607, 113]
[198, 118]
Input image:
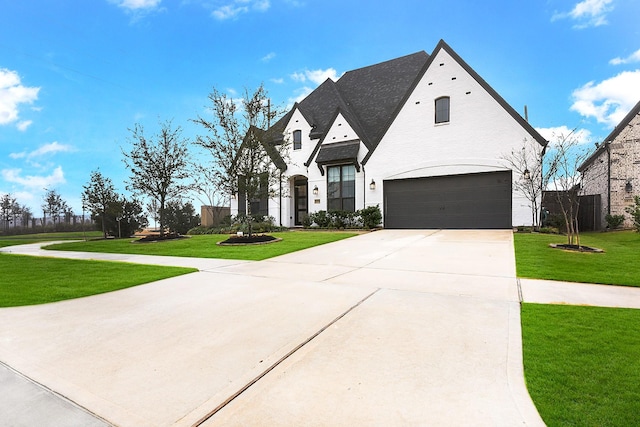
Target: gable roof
[611, 137]
[366, 97]
[371, 97]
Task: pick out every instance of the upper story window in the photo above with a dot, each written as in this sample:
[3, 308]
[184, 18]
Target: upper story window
[297, 139]
[442, 110]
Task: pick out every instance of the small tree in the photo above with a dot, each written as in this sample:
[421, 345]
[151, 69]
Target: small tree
[563, 160]
[180, 217]
[7, 204]
[25, 215]
[527, 163]
[98, 195]
[243, 160]
[159, 166]
[634, 211]
[54, 205]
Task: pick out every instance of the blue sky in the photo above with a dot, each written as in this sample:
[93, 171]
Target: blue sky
[75, 75]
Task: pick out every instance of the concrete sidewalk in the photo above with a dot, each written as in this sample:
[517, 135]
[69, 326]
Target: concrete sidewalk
[396, 327]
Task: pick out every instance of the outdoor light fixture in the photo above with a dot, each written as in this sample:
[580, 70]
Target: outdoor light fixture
[315, 190]
[372, 186]
[629, 187]
[526, 174]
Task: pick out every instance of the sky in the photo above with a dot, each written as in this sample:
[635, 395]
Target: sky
[77, 75]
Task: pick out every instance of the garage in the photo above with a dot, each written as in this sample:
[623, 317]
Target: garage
[479, 200]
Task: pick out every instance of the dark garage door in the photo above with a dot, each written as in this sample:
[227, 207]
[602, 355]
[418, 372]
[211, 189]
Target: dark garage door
[480, 200]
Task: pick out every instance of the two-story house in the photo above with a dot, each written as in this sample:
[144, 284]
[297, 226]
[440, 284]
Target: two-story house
[422, 136]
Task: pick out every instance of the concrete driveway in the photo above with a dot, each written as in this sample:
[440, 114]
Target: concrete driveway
[388, 328]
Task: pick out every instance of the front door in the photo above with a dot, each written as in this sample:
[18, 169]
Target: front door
[300, 200]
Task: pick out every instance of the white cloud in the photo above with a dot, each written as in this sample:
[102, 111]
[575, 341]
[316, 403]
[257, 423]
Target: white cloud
[23, 125]
[316, 76]
[12, 94]
[278, 81]
[610, 100]
[268, 57]
[301, 94]
[34, 181]
[46, 149]
[239, 7]
[555, 134]
[634, 57]
[136, 5]
[587, 13]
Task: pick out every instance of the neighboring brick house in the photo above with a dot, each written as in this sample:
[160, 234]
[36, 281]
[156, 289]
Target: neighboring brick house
[613, 170]
[422, 136]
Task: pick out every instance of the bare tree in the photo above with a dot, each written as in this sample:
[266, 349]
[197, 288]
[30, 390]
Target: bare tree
[243, 159]
[159, 166]
[563, 160]
[528, 164]
[98, 195]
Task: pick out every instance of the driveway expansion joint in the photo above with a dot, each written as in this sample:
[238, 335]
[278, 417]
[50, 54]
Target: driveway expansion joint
[280, 361]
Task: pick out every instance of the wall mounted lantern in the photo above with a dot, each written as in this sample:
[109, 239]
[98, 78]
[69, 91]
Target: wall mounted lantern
[526, 174]
[628, 187]
[315, 190]
[372, 186]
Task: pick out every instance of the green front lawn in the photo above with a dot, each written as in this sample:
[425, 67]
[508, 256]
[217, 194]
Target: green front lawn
[618, 265]
[582, 364]
[205, 246]
[23, 239]
[27, 280]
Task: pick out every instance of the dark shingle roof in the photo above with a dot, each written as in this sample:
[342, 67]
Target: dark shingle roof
[370, 98]
[341, 151]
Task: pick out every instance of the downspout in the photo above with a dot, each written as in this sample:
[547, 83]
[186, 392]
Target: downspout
[364, 188]
[280, 207]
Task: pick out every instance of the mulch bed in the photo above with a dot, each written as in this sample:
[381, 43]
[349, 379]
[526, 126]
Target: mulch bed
[575, 248]
[255, 239]
[158, 238]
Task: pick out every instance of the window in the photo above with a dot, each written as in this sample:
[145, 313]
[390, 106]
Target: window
[341, 188]
[442, 110]
[297, 139]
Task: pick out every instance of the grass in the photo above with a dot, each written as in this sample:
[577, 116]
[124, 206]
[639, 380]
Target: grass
[23, 239]
[618, 265]
[582, 364]
[29, 280]
[205, 246]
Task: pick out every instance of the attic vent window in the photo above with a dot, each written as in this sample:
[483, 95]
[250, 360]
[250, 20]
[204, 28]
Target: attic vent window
[468, 93]
[417, 102]
[430, 83]
[453, 78]
[441, 64]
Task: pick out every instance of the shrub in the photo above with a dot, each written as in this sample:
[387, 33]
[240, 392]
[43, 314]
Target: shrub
[307, 221]
[320, 218]
[371, 216]
[614, 221]
[635, 213]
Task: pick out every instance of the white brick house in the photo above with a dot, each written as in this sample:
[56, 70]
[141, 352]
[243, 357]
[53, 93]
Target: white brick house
[422, 136]
[613, 170]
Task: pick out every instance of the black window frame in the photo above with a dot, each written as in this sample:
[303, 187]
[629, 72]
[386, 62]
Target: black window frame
[346, 189]
[297, 142]
[442, 112]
